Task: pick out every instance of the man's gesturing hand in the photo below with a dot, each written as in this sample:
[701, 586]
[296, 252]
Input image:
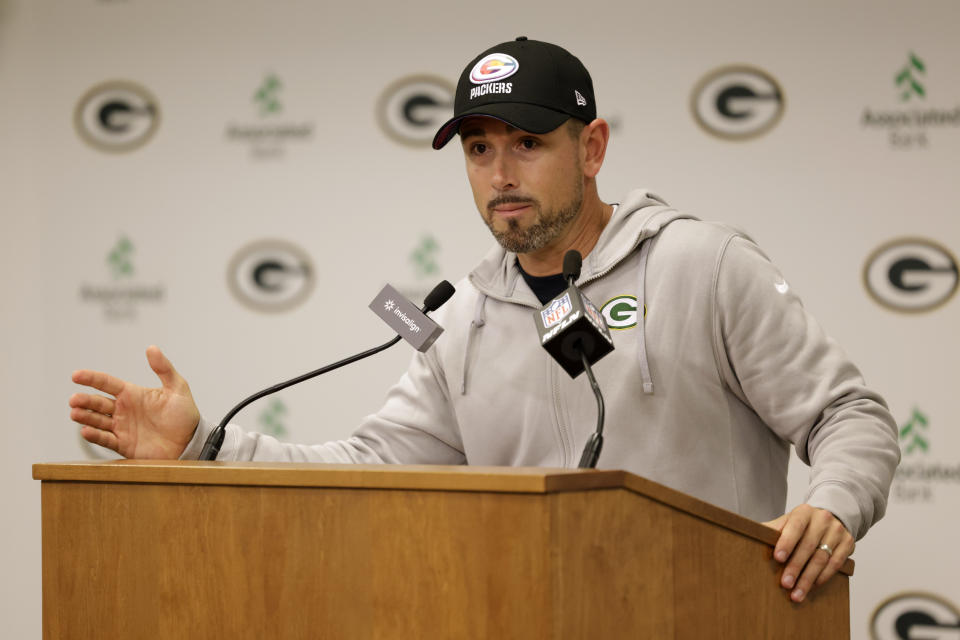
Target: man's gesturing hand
[137, 422]
[802, 532]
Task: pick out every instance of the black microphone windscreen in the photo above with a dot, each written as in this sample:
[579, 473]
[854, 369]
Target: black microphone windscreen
[440, 294]
[572, 261]
[569, 327]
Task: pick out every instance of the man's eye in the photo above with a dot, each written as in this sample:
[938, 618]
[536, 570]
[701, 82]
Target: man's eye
[479, 148]
[528, 143]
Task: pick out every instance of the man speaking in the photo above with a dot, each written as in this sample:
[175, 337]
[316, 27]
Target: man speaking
[718, 372]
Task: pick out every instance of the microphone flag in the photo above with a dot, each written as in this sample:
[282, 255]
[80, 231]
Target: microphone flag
[569, 324]
[405, 318]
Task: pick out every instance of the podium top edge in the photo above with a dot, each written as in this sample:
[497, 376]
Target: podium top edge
[382, 476]
[529, 480]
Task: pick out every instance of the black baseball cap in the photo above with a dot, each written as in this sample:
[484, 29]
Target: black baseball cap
[531, 85]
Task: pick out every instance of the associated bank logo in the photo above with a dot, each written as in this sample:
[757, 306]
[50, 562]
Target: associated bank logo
[117, 116]
[620, 312]
[557, 311]
[266, 97]
[915, 615]
[269, 137]
[411, 109]
[737, 102]
[424, 257]
[271, 275]
[425, 268]
[908, 82]
[912, 436]
[272, 419]
[911, 127]
[495, 66]
[120, 258]
[121, 298]
[919, 474]
[911, 275]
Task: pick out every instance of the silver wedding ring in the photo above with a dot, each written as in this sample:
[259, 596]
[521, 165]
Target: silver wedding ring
[826, 547]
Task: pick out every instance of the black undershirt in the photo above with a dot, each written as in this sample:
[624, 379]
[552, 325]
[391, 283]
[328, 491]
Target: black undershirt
[546, 288]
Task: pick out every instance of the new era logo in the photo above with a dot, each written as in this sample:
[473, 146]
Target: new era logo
[581, 101]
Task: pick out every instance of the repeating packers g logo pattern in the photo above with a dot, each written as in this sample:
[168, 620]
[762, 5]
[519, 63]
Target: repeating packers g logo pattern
[117, 116]
[911, 275]
[620, 312]
[737, 102]
[271, 275]
[410, 110]
[915, 615]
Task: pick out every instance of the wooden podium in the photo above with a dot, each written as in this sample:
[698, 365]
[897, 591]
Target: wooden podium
[135, 549]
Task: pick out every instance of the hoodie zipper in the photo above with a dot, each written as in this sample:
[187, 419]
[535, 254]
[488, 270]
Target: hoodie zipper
[559, 417]
[565, 436]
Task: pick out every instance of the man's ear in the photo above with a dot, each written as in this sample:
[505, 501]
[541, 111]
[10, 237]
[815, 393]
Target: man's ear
[593, 145]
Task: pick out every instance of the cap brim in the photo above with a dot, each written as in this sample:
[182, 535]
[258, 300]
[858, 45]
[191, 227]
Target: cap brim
[526, 117]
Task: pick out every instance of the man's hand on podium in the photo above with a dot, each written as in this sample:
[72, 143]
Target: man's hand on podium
[804, 532]
[137, 422]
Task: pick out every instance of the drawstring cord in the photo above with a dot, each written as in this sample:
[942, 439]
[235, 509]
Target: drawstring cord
[477, 322]
[641, 320]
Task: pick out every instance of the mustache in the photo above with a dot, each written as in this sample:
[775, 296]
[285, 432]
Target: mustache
[511, 199]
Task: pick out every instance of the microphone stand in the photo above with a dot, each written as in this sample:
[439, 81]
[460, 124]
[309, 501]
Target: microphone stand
[439, 295]
[591, 452]
[572, 262]
[215, 440]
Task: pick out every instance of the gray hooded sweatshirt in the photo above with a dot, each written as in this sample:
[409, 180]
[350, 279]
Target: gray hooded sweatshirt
[705, 390]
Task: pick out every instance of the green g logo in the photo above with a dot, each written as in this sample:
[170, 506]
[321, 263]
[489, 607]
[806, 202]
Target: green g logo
[620, 312]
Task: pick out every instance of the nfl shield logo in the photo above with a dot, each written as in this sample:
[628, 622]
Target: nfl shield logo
[557, 311]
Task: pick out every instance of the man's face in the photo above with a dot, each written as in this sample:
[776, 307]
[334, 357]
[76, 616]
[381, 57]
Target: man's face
[528, 187]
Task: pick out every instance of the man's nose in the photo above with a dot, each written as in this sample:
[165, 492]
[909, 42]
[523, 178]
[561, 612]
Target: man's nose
[503, 178]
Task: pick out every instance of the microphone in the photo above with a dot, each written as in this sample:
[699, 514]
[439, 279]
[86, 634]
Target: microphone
[438, 296]
[575, 334]
[408, 321]
[572, 262]
[569, 325]
[434, 300]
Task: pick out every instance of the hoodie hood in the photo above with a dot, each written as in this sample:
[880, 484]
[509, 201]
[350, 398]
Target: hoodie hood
[638, 216]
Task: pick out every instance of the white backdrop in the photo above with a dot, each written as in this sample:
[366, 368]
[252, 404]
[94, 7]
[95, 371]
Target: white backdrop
[307, 162]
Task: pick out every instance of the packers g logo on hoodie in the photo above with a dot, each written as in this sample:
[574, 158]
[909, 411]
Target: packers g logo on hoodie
[620, 312]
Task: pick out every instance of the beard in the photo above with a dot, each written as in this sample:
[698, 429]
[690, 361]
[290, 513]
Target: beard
[547, 226]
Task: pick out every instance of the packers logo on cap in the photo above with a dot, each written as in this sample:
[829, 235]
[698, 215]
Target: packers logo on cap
[495, 66]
